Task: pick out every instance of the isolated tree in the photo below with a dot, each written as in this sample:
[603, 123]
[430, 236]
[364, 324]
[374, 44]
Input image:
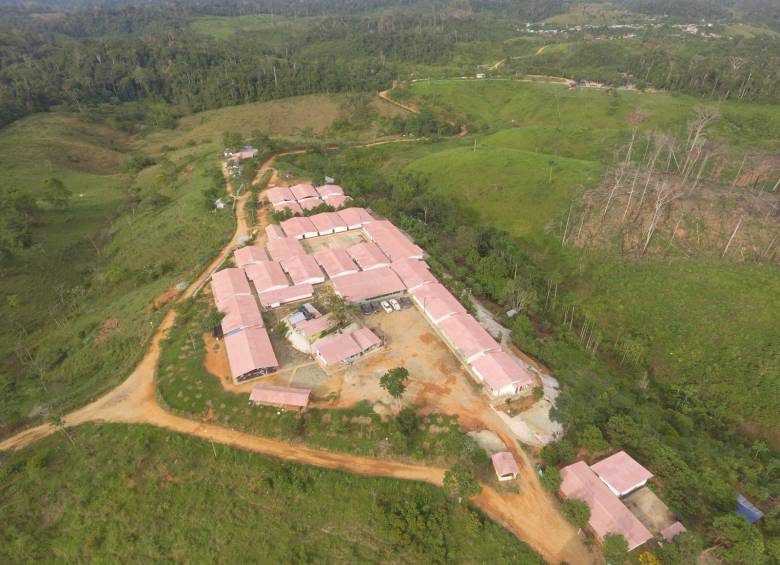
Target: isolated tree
[577, 512]
[407, 421]
[615, 549]
[394, 382]
[459, 482]
[340, 312]
[55, 193]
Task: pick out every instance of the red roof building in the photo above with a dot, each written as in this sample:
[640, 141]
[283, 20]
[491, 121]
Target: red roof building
[327, 190]
[275, 298]
[393, 242]
[437, 302]
[274, 231]
[267, 276]
[241, 312]
[368, 256]
[413, 273]
[328, 223]
[468, 336]
[250, 354]
[607, 513]
[228, 283]
[669, 532]
[250, 254]
[314, 327]
[285, 248]
[336, 201]
[304, 190]
[299, 228]
[311, 203]
[336, 262]
[502, 374]
[303, 269]
[293, 207]
[272, 395]
[278, 194]
[355, 218]
[345, 348]
[505, 466]
[368, 285]
[621, 473]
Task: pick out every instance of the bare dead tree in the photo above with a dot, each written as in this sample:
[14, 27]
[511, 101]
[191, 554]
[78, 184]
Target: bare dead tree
[734, 233]
[664, 194]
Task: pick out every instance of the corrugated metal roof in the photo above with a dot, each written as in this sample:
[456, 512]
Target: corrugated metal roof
[621, 472]
[280, 395]
[355, 217]
[504, 463]
[468, 337]
[336, 262]
[227, 283]
[368, 255]
[413, 272]
[267, 275]
[500, 370]
[249, 350]
[250, 254]
[365, 285]
[303, 269]
[284, 248]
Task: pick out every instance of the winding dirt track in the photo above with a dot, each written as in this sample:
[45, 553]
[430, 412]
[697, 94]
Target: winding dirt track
[531, 514]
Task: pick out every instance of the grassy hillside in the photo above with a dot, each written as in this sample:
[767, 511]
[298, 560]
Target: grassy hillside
[516, 190]
[135, 493]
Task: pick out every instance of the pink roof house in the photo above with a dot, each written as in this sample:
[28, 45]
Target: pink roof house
[274, 231]
[437, 302]
[393, 242]
[299, 228]
[314, 327]
[413, 273]
[355, 218]
[250, 354]
[228, 283]
[303, 269]
[502, 374]
[266, 276]
[367, 285]
[273, 395]
[368, 256]
[278, 194]
[275, 298]
[669, 532]
[607, 513]
[284, 248]
[311, 203]
[304, 190]
[250, 254]
[328, 223]
[336, 201]
[467, 336]
[505, 466]
[345, 348]
[327, 190]
[336, 262]
[241, 312]
[621, 473]
[293, 207]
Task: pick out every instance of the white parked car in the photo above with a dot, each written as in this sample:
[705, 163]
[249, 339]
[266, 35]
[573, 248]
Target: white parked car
[386, 306]
[395, 305]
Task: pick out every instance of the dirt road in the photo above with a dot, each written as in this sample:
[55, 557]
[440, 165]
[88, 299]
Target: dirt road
[531, 515]
[408, 107]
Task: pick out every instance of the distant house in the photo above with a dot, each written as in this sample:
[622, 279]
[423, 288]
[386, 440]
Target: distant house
[621, 473]
[247, 152]
[286, 397]
[505, 466]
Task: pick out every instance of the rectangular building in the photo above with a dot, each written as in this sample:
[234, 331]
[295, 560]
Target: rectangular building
[368, 285]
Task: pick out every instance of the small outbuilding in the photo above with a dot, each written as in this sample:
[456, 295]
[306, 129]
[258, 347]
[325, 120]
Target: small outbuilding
[286, 397]
[505, 466]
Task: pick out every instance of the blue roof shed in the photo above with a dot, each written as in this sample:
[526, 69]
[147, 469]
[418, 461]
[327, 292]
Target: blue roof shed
[747, 510]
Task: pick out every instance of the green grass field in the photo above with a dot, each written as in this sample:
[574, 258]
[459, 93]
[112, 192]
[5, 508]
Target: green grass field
[141, 494]
[275, 31]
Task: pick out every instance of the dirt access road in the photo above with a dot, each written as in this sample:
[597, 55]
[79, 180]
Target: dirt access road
[531, 515]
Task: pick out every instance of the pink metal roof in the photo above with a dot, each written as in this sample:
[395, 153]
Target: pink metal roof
[293, 206]
[267, 275]
[250, 254]
[329, 190]
[299, 227]
[355, 217]
[336, 201]
[303, 269]
[304, 190]
[278, 194]
[498, 370]
[280, 395]
[607, 513]
[328, 222]
[337, 348]
[249, 350]
[311, 203]
[240, 312]
[275, 298]
[336, 262]
[437, 302]
[227, 283]
[368, 255]
[366, 339]
[468, 336]
[284, 248]
[672, 530]
[621, 472]
[274, 231]
[365, 285]
[392, 241]
[311, 328]
[413, 272]
[504, 463]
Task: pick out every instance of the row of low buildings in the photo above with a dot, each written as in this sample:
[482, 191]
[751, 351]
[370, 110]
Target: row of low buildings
[300, 197]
